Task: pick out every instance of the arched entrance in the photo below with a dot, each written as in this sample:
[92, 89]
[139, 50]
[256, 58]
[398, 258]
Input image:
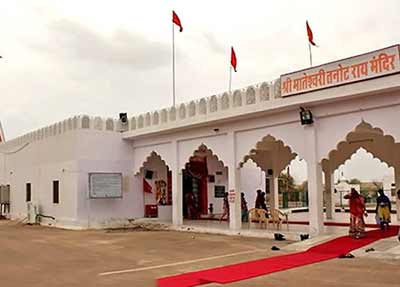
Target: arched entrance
[204, 183]
[155, 181]
[372, 140]
[271, 156]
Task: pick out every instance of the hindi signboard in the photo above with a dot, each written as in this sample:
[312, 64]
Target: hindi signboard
[359, 68]
[105, 185]
[219, 191]
[231, 196]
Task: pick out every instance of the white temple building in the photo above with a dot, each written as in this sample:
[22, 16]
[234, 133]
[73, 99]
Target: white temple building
[91, 172]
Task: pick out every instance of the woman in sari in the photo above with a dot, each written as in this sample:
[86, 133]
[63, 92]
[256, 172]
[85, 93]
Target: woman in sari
[357, 211]
[383, 209]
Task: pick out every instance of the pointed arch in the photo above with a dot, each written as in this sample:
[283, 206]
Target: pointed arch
[153, 156]
[204, 151]
[270, 153]
[372, 139]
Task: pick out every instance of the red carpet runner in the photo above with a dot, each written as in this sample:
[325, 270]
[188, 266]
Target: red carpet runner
[236, 272]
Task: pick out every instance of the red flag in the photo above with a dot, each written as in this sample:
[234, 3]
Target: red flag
[146, 186]
[233, 59]
[177, 21]
[310, 35]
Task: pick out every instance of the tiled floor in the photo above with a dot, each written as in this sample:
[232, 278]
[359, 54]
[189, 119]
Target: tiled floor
[291, 232]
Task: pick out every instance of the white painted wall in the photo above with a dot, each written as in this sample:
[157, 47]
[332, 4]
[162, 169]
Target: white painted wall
[68, 152]
[101, 151]
[40, 163]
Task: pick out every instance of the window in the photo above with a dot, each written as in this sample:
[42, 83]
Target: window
[28, 192]
[56, 196]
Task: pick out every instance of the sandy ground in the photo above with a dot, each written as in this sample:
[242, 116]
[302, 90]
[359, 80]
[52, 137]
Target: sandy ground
[41, 256]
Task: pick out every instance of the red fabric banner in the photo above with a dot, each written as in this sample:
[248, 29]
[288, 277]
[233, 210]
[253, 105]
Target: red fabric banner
[177, 21]
[146, 186]
[310, 35]
[233, 59]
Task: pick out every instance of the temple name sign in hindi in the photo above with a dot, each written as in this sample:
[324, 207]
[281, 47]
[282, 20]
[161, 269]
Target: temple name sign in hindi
[367, 66]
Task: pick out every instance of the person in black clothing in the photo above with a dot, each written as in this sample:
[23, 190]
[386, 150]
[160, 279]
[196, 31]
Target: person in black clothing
[245, 210]
[260, 201]
[383, 210]
[264, 203]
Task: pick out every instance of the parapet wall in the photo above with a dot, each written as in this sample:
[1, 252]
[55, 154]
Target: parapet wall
[252, 95]
[74, 123]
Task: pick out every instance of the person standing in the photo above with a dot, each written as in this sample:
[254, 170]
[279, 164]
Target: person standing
[357, 211]
[225, 208]
[245, 210]
[258, 199]
[264, 204]
[189, 201]
[383, 210]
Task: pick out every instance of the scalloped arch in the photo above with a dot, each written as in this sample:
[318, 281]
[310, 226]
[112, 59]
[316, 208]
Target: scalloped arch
[203, 150]
[369, 153]
[372, 139]
[267, 144]
[154, 155]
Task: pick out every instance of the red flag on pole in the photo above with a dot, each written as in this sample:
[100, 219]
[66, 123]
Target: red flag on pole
[177, 21]
[146, 186]
[233, 59]
[310, 35]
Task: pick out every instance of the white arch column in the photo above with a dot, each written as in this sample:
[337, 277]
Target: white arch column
[235, 211]
[274, 190]
[315, 190]
[329, 195]
[397, 182]
[177, 195]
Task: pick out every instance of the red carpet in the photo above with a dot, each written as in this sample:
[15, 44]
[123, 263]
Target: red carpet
[331, 223]
[236, 272]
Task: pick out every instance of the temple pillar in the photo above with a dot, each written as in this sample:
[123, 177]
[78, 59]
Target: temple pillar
[315, 189]
[177, 195]
[274, 191]
[397, 183]
[329, 195]
[235, 210]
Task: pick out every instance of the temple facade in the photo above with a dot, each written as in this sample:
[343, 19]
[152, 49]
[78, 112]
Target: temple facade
[93, 172]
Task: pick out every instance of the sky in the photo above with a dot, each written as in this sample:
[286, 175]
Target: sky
[71, 57]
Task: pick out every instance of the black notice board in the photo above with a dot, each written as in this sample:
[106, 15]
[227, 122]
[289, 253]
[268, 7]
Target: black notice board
[219, 191]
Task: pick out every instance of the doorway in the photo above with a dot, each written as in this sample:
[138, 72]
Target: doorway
[195, 188]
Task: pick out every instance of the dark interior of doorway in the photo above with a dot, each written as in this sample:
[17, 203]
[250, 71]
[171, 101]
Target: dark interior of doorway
[194, 179]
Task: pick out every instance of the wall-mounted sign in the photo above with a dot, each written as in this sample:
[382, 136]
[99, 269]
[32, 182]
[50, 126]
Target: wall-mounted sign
[231, 196]
[105, 185]
[219, 191]
[363, 67]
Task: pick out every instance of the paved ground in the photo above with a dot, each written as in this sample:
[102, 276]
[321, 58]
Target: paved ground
[39, 256]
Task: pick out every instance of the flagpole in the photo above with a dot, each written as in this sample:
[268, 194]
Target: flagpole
[230, 79]
[173, 65]
[309, 48]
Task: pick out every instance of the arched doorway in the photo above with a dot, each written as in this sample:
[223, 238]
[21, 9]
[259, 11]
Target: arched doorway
[272, 156]
[371, 140]
[204, 183]
[155, 183]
